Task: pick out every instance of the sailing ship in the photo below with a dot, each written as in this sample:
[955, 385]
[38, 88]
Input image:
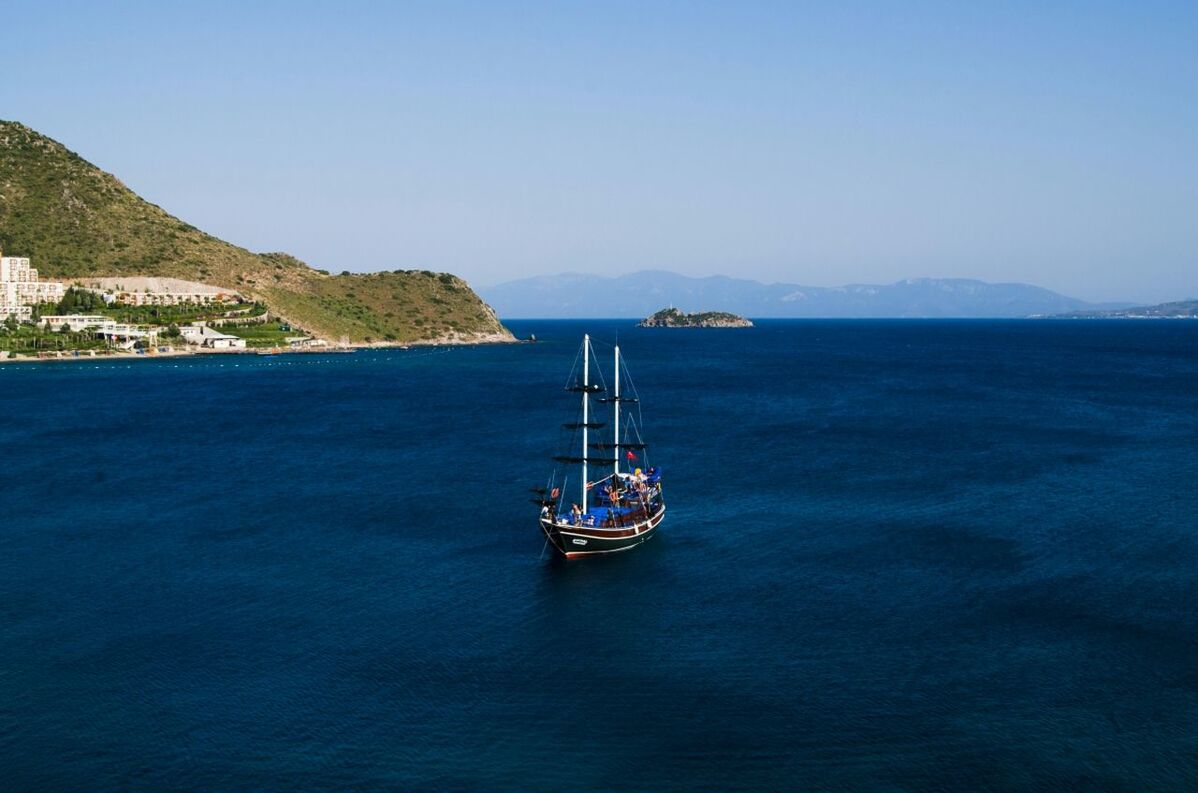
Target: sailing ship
[623, 506]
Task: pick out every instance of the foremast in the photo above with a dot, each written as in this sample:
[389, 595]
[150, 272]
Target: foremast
[615, 436]
[586, 403]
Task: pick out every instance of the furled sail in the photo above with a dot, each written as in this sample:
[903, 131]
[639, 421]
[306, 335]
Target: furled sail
[589, 460]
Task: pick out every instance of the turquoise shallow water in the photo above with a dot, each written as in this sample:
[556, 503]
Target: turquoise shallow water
[899, 556]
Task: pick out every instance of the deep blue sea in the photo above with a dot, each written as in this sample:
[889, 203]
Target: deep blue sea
[899, 556]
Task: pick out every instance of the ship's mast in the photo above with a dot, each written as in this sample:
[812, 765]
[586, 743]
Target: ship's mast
[586, 401]
[615, 437]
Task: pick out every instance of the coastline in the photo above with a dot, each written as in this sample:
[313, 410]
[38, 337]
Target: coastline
[455, 340]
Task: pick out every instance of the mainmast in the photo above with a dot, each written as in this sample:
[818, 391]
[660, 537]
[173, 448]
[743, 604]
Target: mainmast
[615, 436]
[586, 401]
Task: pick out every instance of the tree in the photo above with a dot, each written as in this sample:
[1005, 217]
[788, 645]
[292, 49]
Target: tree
[76, 300]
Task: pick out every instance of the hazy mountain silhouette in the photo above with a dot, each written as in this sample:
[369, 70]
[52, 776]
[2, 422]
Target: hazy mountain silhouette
[640, 294]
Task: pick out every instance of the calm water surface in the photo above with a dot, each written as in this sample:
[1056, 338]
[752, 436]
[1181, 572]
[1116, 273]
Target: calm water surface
[900, 556]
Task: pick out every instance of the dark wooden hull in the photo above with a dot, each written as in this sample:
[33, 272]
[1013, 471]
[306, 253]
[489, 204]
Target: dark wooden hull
[576, 541]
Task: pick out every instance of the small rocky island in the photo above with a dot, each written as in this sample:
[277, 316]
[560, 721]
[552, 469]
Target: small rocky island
[677, 318]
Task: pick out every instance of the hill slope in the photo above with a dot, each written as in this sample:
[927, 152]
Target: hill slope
[1178, 309]
[638, 294]
[75, 220]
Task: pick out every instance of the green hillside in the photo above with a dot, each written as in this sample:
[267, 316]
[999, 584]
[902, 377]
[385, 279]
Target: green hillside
[73, 220]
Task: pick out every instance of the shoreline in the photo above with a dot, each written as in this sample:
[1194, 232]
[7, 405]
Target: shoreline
[67, 356]
[444, 341]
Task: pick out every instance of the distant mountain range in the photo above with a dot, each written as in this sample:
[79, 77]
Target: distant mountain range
[642, 293]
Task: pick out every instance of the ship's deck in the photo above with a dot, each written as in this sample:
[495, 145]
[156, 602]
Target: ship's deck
[626, 513]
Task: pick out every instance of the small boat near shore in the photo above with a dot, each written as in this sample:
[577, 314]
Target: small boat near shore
[624, 507]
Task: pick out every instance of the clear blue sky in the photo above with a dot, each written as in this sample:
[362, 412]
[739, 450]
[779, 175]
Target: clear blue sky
[820, 144]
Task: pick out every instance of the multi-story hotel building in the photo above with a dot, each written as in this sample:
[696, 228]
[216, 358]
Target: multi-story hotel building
[20, 288]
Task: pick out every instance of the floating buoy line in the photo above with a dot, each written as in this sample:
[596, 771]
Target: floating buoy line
[206, 362]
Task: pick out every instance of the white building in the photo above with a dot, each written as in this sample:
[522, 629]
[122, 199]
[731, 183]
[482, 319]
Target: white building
[131, 298]
[76, 322]
[123, 335]
[204, 336]
[10, 306]
[153, 291]
[127, 335]
[21, 289]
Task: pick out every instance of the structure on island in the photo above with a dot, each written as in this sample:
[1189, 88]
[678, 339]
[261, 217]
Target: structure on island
[677, 318]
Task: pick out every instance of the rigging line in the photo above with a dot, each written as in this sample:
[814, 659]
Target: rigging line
[565, 441]
[606, 345]
[596, 368]
[570, 377]
[644, 451]
[632, 384]
[635, 427]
